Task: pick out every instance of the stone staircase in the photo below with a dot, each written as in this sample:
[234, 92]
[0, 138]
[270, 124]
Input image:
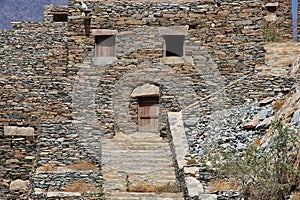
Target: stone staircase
[138, 166]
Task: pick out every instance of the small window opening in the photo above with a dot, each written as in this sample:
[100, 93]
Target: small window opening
[174, 45]
[60, 17]
[105, 45]
[271, 9]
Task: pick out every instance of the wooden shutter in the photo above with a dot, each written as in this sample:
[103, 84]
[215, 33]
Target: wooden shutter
[105, 45]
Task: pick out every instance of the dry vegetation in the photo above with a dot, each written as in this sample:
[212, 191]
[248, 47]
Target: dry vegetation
[46, 168]
[192, 162]
[148, 187]
[83, 166]
[80, 186]
[278, 104]
[222, 185]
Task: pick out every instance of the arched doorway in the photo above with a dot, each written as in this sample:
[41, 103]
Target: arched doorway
[148, 107]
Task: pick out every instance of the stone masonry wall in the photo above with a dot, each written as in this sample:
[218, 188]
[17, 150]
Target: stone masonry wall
[278, 25]
[18, 156]
[34, 87]
[44, 65]
[230, 30]
[247, 89]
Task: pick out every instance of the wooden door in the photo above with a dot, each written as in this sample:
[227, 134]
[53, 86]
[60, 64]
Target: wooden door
[148, 114]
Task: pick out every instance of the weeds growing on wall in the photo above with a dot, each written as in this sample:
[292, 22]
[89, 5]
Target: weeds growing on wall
[267, 172]
[270, 32]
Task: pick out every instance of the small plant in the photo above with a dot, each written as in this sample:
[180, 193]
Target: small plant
[278, 104]
[80, 186]
[270, 32]
[192, 161]
[127, 182]
[268, 172]
[83, 166]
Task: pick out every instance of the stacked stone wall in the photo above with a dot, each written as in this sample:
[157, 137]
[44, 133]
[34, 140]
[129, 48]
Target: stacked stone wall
[278, 24]
[230, 30]
[18, 156]
[41, 63]
[34, 86]
[234, 96]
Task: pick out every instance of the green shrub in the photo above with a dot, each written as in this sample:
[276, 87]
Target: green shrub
[267, 172]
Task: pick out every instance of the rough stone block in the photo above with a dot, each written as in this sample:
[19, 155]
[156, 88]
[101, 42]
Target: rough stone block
[19, 185]
[194, 187]
[208, 197]
[18, 131]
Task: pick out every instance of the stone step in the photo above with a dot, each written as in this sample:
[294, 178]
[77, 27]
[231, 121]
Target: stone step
[137, 160]
[149, 162]
[150, 157]
[138, 147]
[136, 152]
[145, 170]
[108, 186]
[124, 175]
[136, 142]
[165, 173]
[144, 196]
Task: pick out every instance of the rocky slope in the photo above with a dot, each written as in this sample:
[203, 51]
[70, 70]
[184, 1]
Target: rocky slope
[240, 127]
[20, 10]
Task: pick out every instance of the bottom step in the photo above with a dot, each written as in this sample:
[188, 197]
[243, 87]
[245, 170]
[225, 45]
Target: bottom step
[143, 196]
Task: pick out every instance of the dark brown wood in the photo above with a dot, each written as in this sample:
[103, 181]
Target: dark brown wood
[148, 114]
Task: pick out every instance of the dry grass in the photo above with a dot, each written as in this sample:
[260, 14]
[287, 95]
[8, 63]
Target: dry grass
[80, 186]
[83, 166]
[19, 155]
[222, 185]
[147, 187]
[296, 196]
[46, 168]
[192, 161]
[256, 143]
[278, 104]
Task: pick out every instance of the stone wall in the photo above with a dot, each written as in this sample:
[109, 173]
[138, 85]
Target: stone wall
[50, 82]
[230, 30]
[230, 37]
[18, 155]
[278, 25]
[236, 94]
[34, 86]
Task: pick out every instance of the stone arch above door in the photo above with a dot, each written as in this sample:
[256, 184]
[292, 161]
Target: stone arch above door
[145, 90]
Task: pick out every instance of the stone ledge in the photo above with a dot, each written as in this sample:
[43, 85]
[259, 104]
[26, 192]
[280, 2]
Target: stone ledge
[18, 131]
[179, 138]
[174, 30]
[104, 32]
[187, 60]
[102, 61]
[145, 90]
[63, 194]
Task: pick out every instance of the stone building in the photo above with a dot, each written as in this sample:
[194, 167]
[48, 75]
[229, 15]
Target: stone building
[97, 69]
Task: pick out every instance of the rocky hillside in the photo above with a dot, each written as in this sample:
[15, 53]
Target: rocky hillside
[20, 10]
[243, 127]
